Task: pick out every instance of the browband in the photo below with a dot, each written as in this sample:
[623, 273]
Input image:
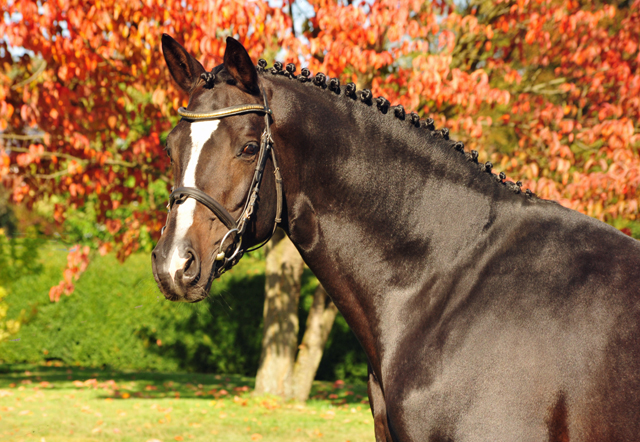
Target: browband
[226, 112]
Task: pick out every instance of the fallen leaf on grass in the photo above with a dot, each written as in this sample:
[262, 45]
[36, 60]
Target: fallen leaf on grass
[4, 393]
[256, 436]
[24, 412]
[328, 415]
[269, 404]
[154, 440]
[179, 438]
[238, 400]
[96, 430]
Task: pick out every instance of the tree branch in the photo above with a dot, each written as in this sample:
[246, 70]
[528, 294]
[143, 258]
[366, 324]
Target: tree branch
[22, 137]
[35, 75]
[51, 176]
[49, 154]
[84, 162]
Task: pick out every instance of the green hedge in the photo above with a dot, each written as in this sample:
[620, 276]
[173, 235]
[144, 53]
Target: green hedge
[117, 317]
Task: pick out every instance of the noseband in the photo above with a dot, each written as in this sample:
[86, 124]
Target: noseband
[239, 226]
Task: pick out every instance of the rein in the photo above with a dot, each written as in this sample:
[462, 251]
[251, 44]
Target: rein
[239, 226]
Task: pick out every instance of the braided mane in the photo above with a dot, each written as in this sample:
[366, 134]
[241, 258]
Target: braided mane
[384, 106]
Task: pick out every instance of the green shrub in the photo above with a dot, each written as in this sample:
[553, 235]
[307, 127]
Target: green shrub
[8, 327]
[18, 259]
[117, 317]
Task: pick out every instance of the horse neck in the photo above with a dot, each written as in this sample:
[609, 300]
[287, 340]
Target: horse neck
[376, 206]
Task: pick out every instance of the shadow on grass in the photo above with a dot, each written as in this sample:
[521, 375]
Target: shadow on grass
[114, 384]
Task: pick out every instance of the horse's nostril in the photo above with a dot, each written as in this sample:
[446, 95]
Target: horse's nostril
[191, 268]
[153, 256]
[190, 260]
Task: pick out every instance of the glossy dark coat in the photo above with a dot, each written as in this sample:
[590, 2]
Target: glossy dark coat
[486, 315]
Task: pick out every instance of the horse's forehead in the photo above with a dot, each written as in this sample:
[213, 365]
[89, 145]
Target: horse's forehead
[185, 133]
[207, 99]
[201, 132]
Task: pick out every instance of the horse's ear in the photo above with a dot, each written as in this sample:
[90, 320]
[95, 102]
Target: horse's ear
[239, 65]
[184, 69]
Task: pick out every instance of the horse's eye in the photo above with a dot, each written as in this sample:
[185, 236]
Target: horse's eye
[250, 149]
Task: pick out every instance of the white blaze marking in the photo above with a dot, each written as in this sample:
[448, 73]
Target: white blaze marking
[201, 132]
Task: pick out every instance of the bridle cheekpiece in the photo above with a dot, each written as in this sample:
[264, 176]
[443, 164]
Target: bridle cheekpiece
[239, 226]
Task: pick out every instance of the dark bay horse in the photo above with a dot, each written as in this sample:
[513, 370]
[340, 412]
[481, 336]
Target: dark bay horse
[486, 313]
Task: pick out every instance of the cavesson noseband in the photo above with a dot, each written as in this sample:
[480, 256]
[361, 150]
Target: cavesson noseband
[238, 226]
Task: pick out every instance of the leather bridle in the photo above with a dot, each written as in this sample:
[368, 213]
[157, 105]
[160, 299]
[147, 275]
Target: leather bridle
[239, 226]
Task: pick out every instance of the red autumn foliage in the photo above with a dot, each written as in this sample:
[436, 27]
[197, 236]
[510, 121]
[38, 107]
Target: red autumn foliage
[77, 262]
[572, 69]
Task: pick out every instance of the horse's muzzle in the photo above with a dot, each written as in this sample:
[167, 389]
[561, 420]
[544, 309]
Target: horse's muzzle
[178, 273]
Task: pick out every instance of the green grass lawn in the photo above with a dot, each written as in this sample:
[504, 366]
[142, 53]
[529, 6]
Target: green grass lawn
[57, 403]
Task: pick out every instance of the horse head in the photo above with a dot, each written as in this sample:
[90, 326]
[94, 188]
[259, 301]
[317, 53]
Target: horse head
[218, 152]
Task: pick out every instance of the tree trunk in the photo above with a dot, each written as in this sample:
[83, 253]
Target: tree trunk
[284, 268]
[319, 322]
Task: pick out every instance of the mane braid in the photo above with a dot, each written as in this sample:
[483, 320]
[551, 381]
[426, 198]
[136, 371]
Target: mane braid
[383, 105]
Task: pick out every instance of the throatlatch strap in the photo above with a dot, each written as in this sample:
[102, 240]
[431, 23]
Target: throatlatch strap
[276, 171]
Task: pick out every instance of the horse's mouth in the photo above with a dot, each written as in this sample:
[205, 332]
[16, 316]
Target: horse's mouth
[187, 298]
[173, 292]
